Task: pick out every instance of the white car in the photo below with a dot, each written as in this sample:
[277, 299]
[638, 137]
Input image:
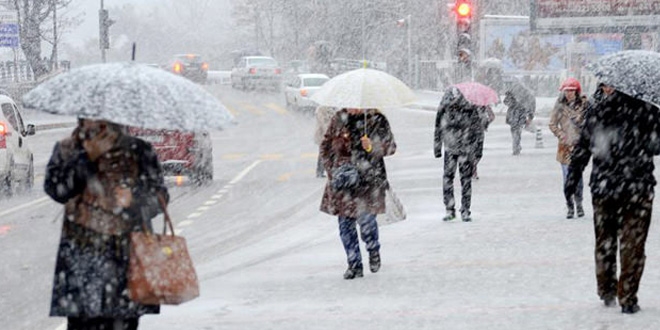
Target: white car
[16, 159]
[298, 91]
[252, 72]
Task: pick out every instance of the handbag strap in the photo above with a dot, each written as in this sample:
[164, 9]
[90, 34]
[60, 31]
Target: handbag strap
[167, 222]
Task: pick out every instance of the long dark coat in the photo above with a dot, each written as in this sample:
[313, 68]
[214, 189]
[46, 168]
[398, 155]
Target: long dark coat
[621, 134]
[92, 260]
[459, 126]
[341, 144]
[521, 105]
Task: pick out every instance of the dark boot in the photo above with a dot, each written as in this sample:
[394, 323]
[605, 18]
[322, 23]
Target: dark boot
[465, 216]
[571, 211]
[353, 272]
[609, 301]
[579, 210]
[450, 215]
[374, 261]
[630, 309]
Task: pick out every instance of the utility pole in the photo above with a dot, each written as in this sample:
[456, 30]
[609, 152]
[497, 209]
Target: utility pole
[104, 26]
[54, 60]
[411, 78]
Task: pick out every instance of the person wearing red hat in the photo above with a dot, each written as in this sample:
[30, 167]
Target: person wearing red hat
[566, 119]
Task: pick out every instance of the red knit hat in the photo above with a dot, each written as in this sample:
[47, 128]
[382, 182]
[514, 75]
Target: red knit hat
[571, 84]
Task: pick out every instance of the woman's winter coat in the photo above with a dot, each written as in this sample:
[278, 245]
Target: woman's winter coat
[92, 260]
[566, 120]
[342, 145]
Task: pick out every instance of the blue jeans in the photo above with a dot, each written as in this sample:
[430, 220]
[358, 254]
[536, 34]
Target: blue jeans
[578, 191]
[349, 237]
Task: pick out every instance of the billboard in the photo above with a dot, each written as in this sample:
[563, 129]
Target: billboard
[509, 39]
[594, 16]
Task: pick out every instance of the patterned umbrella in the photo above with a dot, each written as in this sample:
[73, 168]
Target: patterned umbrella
[478, 94]
[130, 94]
[633, 72]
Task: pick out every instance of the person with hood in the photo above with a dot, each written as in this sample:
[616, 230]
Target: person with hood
[521, 104]
[323, 115]
[110, 184]
[352, 151]
[464, 65]
[458, 126]
[566, 119]
[620, 135]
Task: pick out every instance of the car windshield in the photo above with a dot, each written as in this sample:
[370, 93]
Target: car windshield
[314, 82]
[190, 58]
[262, 62]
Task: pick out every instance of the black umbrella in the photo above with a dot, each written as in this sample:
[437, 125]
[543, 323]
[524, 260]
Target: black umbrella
[633, 72]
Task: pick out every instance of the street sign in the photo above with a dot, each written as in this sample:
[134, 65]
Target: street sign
[594, 16]
[9, 32]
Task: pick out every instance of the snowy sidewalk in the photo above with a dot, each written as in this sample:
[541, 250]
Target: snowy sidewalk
[519, 265]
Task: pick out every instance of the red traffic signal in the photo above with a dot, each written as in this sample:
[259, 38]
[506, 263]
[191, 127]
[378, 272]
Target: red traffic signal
[463, 8]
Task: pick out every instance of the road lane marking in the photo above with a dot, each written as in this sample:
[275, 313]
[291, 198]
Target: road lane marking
[203, 208]
[185, 223]
[210, 202]
[272, 156]
[251, 108]
[245, 171]
[195, 215]
[277, 108]
[232, 156]
[232, 110]
[26, 205]
[216, 196]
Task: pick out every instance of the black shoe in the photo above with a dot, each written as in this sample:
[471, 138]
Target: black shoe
[374, 261]
[580, 211]
[630, 309]
[352, 273]
[451, 215]
[609, 301]
[466, 217]
[570, 214]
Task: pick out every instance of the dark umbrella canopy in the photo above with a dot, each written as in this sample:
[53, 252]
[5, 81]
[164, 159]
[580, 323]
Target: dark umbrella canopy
[633, 72]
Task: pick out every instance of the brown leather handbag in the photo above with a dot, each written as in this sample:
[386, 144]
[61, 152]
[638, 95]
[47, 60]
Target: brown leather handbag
[160, 268]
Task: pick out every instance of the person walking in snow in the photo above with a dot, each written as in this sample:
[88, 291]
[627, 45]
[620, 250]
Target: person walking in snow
[352, 152]
[458, 126]
[620, 135]
[521, 105]
[109, 183]
[566, 119]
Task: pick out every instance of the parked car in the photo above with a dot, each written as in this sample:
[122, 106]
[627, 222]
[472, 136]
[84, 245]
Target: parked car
[298, 91]
[181, 153]
[253, 72]
[16, 158]
[190, 66]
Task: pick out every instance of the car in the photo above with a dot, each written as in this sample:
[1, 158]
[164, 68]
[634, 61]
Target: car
[253, 72]
[190, 66]
[181, 152]
[298, 91]
[16, 158]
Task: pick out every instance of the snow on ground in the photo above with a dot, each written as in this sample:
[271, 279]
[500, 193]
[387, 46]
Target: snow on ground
[519, 265]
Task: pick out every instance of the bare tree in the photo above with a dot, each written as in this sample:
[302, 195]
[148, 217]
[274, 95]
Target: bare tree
[31, 15]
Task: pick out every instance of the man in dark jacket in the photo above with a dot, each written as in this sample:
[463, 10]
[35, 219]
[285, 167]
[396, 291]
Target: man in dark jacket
[458, 125]
[521, 104]
[621, 135]
[109, 183]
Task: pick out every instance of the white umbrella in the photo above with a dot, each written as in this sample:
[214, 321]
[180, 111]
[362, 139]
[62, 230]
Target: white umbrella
[364, 89]
[130, 94]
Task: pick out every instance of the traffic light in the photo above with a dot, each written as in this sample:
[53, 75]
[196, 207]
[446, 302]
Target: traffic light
[463, 10]
[104, 27]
